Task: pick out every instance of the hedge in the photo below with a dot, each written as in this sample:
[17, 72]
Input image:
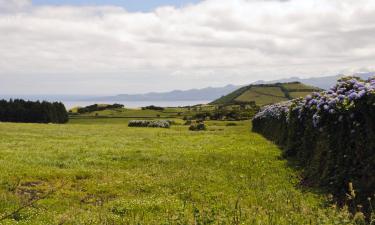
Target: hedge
[332, 134]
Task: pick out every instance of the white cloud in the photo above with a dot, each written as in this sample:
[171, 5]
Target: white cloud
[215, 42]
[13, 5]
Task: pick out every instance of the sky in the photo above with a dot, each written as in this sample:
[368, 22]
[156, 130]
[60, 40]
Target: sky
[129, 5]
[136, 46]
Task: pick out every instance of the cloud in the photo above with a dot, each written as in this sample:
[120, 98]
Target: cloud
[13, 5]
[214, 42]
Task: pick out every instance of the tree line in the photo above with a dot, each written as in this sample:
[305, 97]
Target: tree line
[19, 110]
[97, 107]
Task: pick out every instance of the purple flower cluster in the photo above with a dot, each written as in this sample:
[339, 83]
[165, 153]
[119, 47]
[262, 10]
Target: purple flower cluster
[276, 111]
[339, 98]
[336, 101]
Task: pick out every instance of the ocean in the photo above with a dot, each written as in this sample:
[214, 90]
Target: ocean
[135, 104]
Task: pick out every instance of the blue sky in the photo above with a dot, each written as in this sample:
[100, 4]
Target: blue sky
[131, 5]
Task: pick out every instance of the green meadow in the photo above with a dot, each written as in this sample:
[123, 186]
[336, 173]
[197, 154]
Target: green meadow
[99, 171]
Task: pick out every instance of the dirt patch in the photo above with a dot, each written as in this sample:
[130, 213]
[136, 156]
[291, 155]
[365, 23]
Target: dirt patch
[30, 190]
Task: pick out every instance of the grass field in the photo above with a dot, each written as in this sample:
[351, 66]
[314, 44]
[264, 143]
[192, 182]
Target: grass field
[268, 96]
[91, 172]
[264, 94]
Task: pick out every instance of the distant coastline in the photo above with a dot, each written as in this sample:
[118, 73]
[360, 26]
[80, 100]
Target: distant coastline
[135, 104]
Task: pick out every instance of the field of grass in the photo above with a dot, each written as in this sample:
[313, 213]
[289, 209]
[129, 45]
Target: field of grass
[261, 98]
[264, 94]
[106, 173]
[274, 91]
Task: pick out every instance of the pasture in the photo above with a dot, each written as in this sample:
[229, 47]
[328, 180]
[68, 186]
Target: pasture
[108, 173]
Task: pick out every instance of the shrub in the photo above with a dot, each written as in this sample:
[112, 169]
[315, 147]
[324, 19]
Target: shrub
[232, 113]
[332, 133]
[197, 126]
[187, 118]
[150, 123]
[152, 107]
[172, 122]
[97, 107]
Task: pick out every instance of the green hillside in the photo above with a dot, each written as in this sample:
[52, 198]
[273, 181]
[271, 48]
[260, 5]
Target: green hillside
[264, 94]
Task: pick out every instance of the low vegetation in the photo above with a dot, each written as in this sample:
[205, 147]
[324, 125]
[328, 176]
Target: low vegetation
[198, 126]
[152, 107]
[333, 134]
[98, 107]
[229, 112]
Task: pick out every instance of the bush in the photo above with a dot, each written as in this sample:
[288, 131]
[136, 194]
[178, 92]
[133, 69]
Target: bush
[150, 123]
[152, 107]
[96, 107]
[198, 126]
[232, 113]
[172, 122]
[331, 133]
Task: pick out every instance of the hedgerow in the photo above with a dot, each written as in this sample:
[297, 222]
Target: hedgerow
[150, 123]
[332, 133]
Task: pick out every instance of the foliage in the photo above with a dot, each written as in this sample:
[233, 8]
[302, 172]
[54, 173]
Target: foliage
[19, 110]
[150, 123]
[332, 133]
[98, 107]
[198, 126]
[152, 107]
[113, 174]
[230, 112]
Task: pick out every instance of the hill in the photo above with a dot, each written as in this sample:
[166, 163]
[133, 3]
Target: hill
[264, 94]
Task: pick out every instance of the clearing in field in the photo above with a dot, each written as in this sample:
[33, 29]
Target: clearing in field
[112, 174]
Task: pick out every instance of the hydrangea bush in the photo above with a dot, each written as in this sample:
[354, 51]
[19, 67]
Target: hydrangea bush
[332, 133]
[150, 123]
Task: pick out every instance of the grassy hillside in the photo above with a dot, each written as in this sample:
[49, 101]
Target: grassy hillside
[111, 174]
[264, 94]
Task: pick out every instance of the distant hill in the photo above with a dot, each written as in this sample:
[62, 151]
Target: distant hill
[264, 94]
[208, 93]
[320, 82]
